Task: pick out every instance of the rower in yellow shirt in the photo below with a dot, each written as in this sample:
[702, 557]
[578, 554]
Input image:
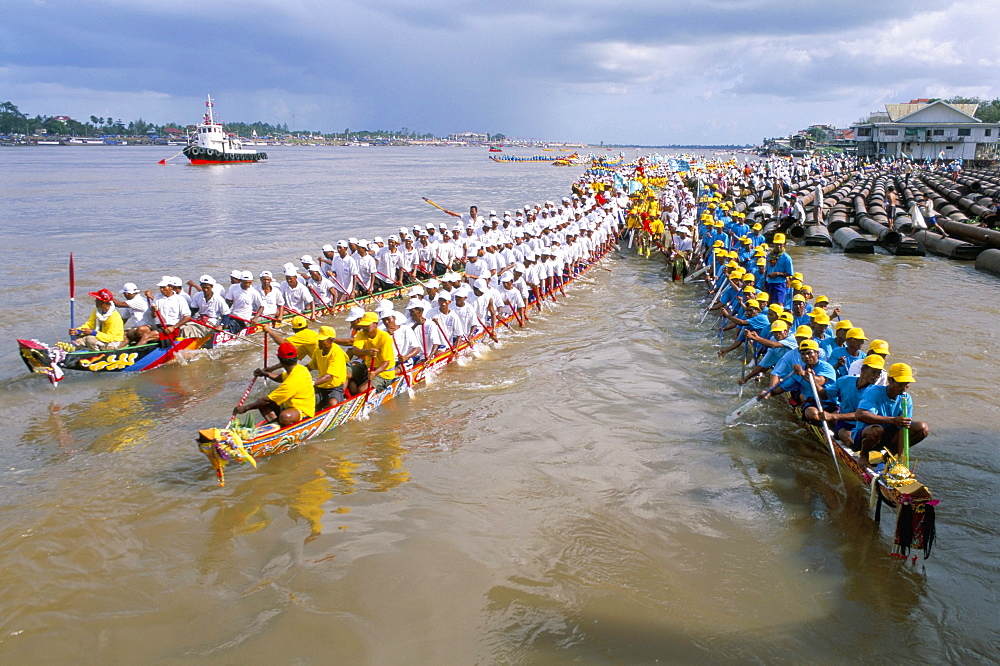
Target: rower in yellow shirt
[303, 338]
[373, 343]
[330, 364]
[294, 399]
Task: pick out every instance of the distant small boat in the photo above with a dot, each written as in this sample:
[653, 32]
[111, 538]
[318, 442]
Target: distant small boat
[496, 149]
[212, 145]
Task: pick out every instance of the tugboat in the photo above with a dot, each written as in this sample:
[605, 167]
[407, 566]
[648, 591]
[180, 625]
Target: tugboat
[212, 145]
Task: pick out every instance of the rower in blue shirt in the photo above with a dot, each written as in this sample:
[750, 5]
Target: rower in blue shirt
[848, 391]
[880, 415]
[841, 358]
[798, 383]
[777, 345]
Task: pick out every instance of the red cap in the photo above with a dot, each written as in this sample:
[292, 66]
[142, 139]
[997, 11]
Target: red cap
[102, 295]
[286, 350]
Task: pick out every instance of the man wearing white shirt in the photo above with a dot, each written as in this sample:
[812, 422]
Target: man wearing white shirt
[343, 271]
[139, 319]
[170, 309]
[247, 303]
[271, 297]
[211, 307]
[295, 295]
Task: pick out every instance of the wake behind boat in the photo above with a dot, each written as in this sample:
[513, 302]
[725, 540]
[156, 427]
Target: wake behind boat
[213, 145]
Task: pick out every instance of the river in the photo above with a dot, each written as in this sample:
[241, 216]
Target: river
[570, 495]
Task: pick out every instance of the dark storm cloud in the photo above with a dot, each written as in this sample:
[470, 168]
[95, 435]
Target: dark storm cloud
[555, 68]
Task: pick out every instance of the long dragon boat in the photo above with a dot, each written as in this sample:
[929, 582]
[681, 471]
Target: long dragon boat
[244, 441]
[52, 361]
[520, 158]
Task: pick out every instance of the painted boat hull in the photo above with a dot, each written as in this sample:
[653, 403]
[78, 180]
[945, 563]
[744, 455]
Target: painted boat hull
[42, 359]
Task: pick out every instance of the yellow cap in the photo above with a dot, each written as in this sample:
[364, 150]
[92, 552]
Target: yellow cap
[879, 347]
[843, 323]
[822, 319]
[797, 275]
[732, 264]
[779, 239]
[717, 243]
[874, 361]
[756, 227]
[298, 321]
[779, 325]
[808, 344]
[798, 298]
[753, 304]
[368, 319]
[795, 284]
[856, 333]
[901, 372]
[745, 240]
[761, 261]
[748, 277]
[749, 289]
[822, 299]
[326, 333]
[803, 331]
[786, 316]
[763, 296]
[776, 308]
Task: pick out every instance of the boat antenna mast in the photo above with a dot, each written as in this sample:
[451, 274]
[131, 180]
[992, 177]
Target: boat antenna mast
[209, 117]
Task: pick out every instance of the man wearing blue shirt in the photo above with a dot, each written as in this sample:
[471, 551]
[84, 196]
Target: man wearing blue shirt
[779, 269]
[848, 391]
[842, 357]
[799, 385]
[880, 415]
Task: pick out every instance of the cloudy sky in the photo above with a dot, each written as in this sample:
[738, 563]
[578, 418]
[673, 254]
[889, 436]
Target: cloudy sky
[643, 71]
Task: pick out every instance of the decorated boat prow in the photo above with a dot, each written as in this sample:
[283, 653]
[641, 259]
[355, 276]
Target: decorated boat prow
[52, 361]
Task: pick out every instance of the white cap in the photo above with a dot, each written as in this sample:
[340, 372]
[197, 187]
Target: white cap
[384, 305]
[289, 272]
[432, 284]
[415, 290]
[206, 279]
[431, 225]
[397, 317]
[507, 277]
[480, 284]
[266, 274]
[328, 248]
[246, 275]
[493, 213]
[403, 231]
[343, 243]
[307, 259]
[355, 313]
[164, 281]
[394, 238]
[416, 303]
[471, 253]
[378, 239]
[233, 274]
[352, 240]
[176, 281]
[130, 288]
[463, 292]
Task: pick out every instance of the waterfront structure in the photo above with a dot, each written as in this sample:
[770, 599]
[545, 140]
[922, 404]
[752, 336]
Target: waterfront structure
[922, 129]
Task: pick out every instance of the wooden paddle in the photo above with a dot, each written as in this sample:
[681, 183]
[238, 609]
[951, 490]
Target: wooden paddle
[826, 429]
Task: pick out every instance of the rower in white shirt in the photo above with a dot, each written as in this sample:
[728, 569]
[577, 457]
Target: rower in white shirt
[295, 295]
[210, 308]
[137, 315]
[170, 309]
[247, 303]
[271, 296]
[343, 271]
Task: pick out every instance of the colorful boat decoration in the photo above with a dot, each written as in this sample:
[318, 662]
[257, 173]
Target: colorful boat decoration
[568, 160]
[889, 482]
[496, 149]
[213, 145]
[52, 361]
[245, 442]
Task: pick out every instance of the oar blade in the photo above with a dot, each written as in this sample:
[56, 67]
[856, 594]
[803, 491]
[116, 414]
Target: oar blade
[743, 409]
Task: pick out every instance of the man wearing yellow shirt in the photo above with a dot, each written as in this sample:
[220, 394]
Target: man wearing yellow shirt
[330, 364]
[294, 399]
[303, 338]
[104, 329]
[375, 345]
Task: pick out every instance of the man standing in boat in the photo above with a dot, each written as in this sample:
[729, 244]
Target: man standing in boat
[374, 344]
[779, 269]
